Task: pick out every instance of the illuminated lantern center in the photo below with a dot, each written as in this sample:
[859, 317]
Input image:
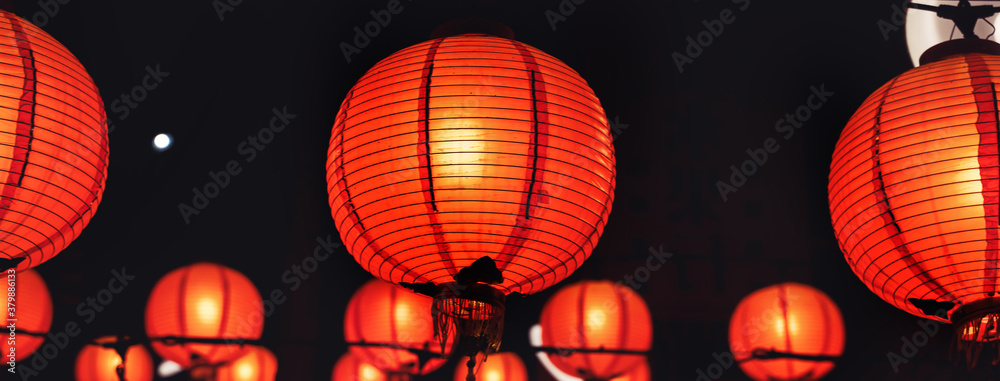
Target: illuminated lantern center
[257, 364]
[100, 363]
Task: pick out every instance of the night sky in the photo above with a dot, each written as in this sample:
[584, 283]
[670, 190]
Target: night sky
[683, 116]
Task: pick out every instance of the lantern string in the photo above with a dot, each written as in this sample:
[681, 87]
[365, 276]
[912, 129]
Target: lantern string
[964, 15]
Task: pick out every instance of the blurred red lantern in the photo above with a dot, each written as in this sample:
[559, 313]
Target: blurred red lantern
[98, 363]
[203, 301]
[471, 149]
[591, 316]
[504, 366]
[786, 319]
[350, 367]
[257, 364]
[53, 145]
[389, 327]
[914, 190]
[33, 311]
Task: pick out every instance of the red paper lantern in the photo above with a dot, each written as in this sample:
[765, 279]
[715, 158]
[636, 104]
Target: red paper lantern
[592, 315]
[33, 311]
[914, 190]
[350, 367]
[398, 322]
[203, 301]
[98, 363]
[257, 364]
[471, 149]
[787, 318]
[53, 145]
[504, 366]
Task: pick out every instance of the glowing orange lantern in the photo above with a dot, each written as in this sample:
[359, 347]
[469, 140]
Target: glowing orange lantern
[471, 149]
[99, 363]
[786, 332]
[195, 305]
[504, 366]
[257, 364]
[913, 190]
[53, 145]
[350, 367]
[391, 328]
[590, 318]
[33, 311]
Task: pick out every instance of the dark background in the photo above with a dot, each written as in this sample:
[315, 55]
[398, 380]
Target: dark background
[683, 132]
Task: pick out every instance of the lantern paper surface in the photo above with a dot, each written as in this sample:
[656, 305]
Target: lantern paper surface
[914, 187]
[53, 144]
[639, 373]
[467, 147]
[33, 311]
[204, 301]
[595, 314]
[503, 366]
[383, 313]
[350, 367]
[789, 318]
[97, 363]
[257, 364]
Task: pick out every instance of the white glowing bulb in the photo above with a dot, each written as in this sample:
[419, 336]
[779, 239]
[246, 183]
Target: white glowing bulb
[162, 141]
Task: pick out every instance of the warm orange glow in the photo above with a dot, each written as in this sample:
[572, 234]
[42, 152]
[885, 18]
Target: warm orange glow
[257, 364]
[789, 318]
[471, 146]
[913, 187]
[592, 314]
[204, 300]
[503, 366]
[33, 311]
[97, 363]
[381, 312]
[350, 367]
[639, 373]
[53, 144]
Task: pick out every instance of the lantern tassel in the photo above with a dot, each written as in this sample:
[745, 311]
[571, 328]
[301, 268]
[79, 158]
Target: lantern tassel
[474, 311]
[973, 334]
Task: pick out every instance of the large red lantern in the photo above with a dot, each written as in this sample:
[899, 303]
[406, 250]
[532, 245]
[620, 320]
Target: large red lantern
[350, 367]
[504, 366]
[33, 311]
[210, 308]
[257, 364]
[471, 149]
[97, 362]
[392, 328]
[786, 332]
[914, 190]
[53, 145]
[586, 319]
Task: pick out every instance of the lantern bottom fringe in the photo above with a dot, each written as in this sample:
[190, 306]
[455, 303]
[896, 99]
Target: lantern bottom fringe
[474, 311]
[973, 333]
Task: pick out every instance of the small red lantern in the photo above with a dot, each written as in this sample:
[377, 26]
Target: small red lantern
[96, 362]
[33, 311]
[914, 188]
[775, 329]
[589, 317]
[392, 328]
[53, 145]
[350, 367]
[257, 364]
[203, 301]
[503, 366]
[467, 168]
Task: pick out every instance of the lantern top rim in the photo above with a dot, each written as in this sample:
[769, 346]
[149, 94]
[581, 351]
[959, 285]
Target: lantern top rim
[951, 48]
[472, 26]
